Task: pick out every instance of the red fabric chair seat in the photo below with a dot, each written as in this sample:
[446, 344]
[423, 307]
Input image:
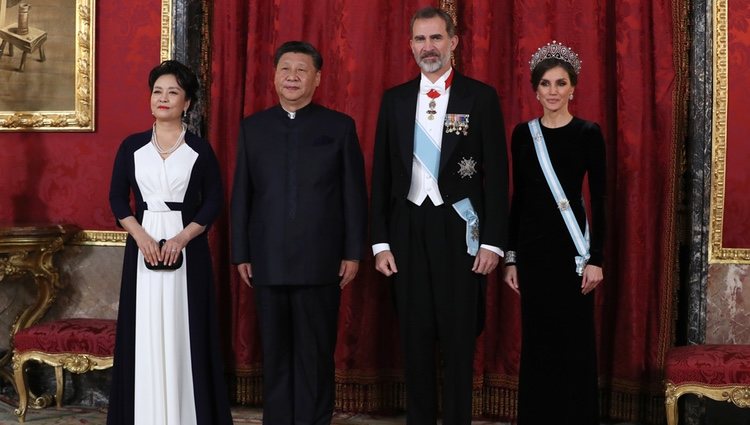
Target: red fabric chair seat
[719, 372]
[80, 336]
[709, 364]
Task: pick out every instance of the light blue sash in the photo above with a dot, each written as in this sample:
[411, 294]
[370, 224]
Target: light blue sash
[426, 151]
[466, 211]
[581, 241]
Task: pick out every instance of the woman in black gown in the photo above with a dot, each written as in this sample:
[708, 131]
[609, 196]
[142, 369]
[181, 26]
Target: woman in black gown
[558, 375]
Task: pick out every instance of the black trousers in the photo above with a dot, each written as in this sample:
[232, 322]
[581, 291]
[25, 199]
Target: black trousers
[439, 301]
[298, 335]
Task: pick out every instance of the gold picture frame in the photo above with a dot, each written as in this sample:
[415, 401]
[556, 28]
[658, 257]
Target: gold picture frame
[167, 40]
[717, 252]
[27, 115]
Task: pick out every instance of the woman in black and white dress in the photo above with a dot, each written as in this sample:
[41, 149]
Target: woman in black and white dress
[168, 367]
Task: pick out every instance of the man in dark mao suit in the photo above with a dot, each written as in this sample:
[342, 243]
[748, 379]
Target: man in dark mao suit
[299, 217]
[439, 207]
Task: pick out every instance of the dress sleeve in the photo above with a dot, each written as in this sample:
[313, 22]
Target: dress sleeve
[119, 187]
[596, 162]
[211, 189]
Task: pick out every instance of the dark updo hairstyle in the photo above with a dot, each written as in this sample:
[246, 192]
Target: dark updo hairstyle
[547, 64]
[299, 47]
[184, 76]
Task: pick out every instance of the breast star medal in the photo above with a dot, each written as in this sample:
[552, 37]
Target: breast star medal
[467, 167]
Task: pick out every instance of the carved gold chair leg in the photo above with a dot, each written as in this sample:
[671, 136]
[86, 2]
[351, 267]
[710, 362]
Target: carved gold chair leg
[60, 386]
[670, 404]
[23, 392]
[73, 362]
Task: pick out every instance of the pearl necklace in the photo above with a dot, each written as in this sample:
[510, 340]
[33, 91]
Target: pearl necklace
[174, 147]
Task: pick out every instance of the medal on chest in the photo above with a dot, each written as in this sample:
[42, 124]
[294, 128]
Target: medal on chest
[432, 94]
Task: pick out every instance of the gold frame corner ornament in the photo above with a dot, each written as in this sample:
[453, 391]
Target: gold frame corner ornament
[717, 253]
[81, 118]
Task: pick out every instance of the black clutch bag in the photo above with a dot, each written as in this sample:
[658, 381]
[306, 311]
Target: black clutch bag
[160, 265]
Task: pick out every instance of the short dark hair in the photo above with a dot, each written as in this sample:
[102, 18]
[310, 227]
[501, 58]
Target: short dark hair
[185, 77]
[299, 47]
[431, 12]
[547, 64]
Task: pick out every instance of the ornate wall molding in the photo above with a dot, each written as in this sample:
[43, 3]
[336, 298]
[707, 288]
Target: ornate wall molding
[99, 238]
[717, 253]
[166, 46]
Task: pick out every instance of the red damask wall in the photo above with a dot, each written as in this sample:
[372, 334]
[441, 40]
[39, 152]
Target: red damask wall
[64, 177]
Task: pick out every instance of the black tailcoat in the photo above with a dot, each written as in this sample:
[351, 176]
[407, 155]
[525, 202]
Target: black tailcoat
[440, 301]
[484, 143]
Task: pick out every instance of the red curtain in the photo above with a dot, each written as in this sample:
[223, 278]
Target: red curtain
[632, 82]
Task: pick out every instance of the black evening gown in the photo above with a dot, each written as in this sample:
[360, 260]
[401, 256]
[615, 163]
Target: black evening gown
[558, 375]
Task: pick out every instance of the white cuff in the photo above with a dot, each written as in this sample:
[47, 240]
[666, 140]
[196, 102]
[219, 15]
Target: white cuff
[380, 247]
[494, 249]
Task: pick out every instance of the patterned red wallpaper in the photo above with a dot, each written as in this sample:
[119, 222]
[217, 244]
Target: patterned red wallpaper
[64, 177]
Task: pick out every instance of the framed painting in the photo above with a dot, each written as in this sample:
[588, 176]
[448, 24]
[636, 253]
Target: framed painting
[729, 232]
[47, 65]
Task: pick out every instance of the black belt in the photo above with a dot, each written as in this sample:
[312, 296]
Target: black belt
[174, 206]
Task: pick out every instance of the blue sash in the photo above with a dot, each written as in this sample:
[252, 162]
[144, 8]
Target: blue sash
[426, 151]
[580, 240]
[466, 211]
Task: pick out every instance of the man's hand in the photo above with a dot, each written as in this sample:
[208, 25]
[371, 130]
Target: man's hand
[385, 263]
[347, 271]
[246, 273]
[592, 277]
[485, 261]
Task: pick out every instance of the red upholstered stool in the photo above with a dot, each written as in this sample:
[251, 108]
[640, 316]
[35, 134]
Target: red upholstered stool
[78, 345]
[719, 372]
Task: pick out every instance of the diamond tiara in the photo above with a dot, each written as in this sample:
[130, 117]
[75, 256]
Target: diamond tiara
[556, 50]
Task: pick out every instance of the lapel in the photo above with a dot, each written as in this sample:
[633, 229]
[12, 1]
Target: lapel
[405, 114]
[459, 102]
